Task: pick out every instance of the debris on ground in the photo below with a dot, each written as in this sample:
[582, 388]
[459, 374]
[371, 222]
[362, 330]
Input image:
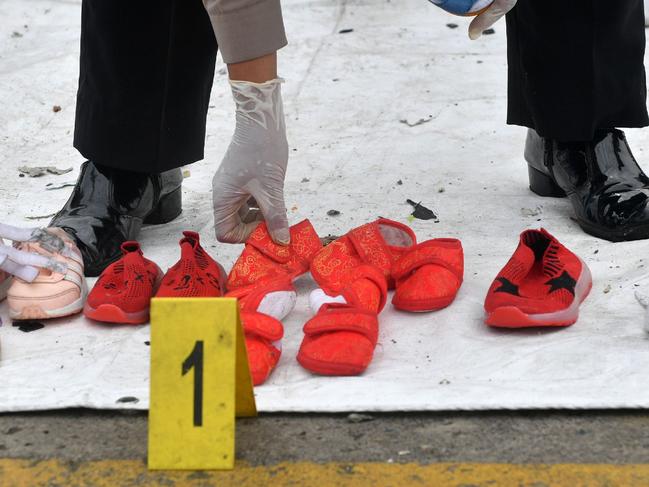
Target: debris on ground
[28, 326]
[529, 212]
[305, 180]
[127, 400]
[421, 212]
[38, 171]
[359, 418]
[451, 25]
[52, 186]
[399, 183]
[294, 208]
[56, 108]
[328, 239]
[16, 34]
[489, 32]
[421, 121]
[40, 217]
[333, 213]
[607, 289]
[186, 173]
[404, 452]
[441, 190]
[345, 31]
[444, 382]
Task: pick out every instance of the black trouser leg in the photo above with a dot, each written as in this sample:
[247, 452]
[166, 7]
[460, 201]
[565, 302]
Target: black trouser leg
[145, 79]
[576, 66]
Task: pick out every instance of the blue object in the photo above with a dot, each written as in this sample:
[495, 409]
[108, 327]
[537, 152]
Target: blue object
[457, 7]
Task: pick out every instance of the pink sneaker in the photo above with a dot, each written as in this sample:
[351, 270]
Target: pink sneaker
[51, 294]
[5, 282]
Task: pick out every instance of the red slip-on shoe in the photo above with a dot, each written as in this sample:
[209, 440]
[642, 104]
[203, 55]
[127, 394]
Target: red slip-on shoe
[262, 259]
[354, 273]
[123, 292]
[543, 284]
[195, 275]
[262, 309]
[429, 276]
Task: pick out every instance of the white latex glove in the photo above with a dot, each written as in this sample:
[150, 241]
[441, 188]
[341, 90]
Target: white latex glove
[254, 165]
[25, 265]
[489, 17]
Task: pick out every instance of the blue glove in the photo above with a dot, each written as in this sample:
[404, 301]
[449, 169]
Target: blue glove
[462, 7]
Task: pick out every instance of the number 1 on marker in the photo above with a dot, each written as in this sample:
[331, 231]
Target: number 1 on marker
[195, 361]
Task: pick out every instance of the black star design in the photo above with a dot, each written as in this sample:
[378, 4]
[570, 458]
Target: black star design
[507, 287]
[564, 281]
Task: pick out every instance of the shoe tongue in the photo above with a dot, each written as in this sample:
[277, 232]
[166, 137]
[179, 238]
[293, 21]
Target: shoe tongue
[131, 247]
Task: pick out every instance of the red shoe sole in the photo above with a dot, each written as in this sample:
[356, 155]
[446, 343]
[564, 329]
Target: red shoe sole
[423, 306]
[109, 313]
[327, 368]
[513, 317]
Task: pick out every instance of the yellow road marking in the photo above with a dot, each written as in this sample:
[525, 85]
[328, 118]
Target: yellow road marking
[27, 473]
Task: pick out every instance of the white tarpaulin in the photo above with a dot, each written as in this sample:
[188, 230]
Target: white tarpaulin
[401, 107]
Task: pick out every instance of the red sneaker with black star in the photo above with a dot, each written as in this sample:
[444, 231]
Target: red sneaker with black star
[195, 275]
[123, 292]
[543, 284]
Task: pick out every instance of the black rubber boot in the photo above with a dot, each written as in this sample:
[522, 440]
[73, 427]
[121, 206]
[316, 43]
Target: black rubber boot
[607, 188]
[109, 206]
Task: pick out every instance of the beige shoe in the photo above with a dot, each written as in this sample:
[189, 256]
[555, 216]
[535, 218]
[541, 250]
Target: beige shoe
[5, 282]
[51, 294]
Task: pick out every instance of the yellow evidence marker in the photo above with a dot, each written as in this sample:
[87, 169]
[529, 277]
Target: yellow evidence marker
[199, 380]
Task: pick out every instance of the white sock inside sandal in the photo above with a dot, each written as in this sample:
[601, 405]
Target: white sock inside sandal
[318, 297]
[278, 304]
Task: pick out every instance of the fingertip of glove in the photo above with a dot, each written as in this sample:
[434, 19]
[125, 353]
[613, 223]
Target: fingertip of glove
[281, 236]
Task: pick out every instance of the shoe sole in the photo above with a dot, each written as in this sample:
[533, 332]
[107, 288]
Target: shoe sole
[513, 317]
[326, 368]
[109, 313]
[426, 306]
[36, 312]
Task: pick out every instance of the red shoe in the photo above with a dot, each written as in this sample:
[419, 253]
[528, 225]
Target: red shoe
[262, 309]
[263, 259]
[262, 280]
[123, 292]
[195, 275]
[353, 273]
[543, 284]
[429, 276]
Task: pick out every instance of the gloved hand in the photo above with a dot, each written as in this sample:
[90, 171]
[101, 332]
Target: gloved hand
[254, 164]
[25, 265]
[489, 17]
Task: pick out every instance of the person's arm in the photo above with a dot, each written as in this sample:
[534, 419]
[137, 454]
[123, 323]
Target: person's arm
[249, 33]
[247, 29]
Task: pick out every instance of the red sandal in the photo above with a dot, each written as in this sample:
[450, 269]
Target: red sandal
[354, 273]
[262, 281]
[428, 277]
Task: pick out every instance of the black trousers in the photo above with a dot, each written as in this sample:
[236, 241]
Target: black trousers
[576, 66]
[146, 75]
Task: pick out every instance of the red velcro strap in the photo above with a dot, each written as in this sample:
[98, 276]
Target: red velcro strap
[334, 317]
[366, 272]
[262, 325]
[260, 239]
[445, 252]
[371, 246]
[250, 296]
[305, 242]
